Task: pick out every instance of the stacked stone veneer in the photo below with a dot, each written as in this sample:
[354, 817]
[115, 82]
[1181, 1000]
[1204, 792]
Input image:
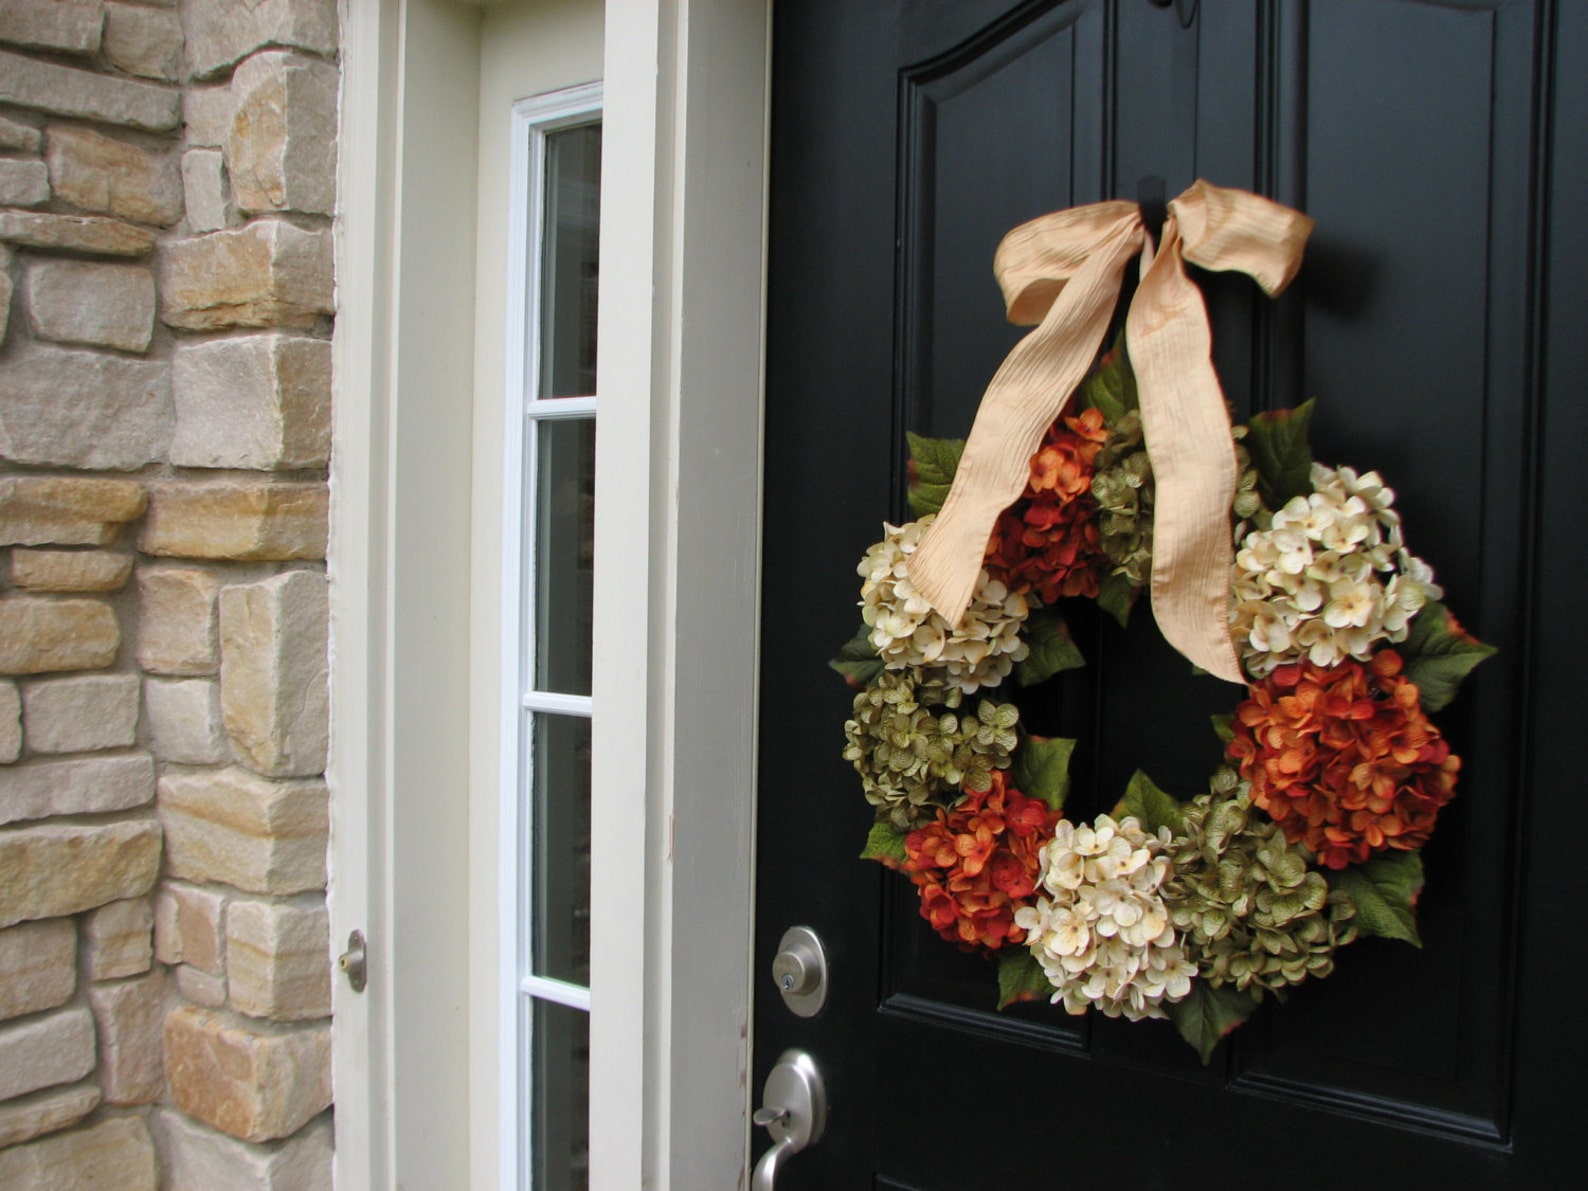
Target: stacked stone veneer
[166, 186]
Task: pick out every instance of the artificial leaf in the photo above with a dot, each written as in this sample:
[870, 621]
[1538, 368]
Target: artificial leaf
[1278, 444]
[1221, 725]
[1385, 890]
[1115, 595]
[1051, 648]
[857, 661]
[1208, 1014]
[1020, 977]
[1042, 769]
[1111, 387]
[933, 462]
[1439, 653]
[1152, 807]
[885, 843]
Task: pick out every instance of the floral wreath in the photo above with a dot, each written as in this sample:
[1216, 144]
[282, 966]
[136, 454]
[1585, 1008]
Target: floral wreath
[1306, 839]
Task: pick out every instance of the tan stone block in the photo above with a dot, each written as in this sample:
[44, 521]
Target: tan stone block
[184, 718]
[38, 966]
[130, 1015]
[246, 520]
[10, 722]
[82, 714]
[258, 401]
[70, 570]
[66, 510]
[207, 112]
[38, 789]
[71, 26]
[117, 1152]
[110, 177]
[90, 234]
[274, 697]
[118, 939]
[231, 826]
[199, 922]
[40, 1052]
[17, 137]
[38, 635]
[281, 150]
[84, 409]
[167, 932]
[143, 41]
[199, 987]
[178, 629]
[209, 204]
[23, 183]
[33, 1116]
[278, 959]
[253, 1085]
[201, 1159]
[56, 869]
[6, 288]
[91, 302]
[221, 32]
[67, 91]
[267, 274]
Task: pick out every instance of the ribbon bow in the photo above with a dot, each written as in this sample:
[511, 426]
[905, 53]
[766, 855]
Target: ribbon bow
[1062, 272]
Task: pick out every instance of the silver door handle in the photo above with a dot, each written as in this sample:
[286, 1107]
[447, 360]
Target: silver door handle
[794, 1113]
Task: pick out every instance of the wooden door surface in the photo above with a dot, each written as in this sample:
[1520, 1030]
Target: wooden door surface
[1438, 320]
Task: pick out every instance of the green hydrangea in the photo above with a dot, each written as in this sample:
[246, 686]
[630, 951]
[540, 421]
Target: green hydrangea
[1123, 487]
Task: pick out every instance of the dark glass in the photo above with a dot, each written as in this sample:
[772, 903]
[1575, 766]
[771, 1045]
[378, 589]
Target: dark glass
[560, 1146]
[564, 507]
[560, 831]
[570, 266]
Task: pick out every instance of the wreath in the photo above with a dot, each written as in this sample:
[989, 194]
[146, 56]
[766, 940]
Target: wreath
[1307, 837]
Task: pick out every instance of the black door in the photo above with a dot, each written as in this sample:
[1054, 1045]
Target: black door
[1439, 322]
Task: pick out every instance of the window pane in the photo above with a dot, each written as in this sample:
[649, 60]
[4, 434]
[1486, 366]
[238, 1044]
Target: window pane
[561, 1141]
[561, 833]
[564, 553]
[571, 264]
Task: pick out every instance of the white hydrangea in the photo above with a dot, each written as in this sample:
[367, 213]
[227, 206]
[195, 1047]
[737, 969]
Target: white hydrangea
[1328, 578]
[906, 631]
[1102, 932]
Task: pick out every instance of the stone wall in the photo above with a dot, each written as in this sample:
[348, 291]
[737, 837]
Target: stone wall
[166, 184]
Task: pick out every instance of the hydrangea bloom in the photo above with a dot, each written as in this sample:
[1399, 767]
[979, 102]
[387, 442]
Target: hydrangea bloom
[1102, 932]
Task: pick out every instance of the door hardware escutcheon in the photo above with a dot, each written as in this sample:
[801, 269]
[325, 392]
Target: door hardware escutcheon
[794, 1113]
[354, 962]
[800, 971]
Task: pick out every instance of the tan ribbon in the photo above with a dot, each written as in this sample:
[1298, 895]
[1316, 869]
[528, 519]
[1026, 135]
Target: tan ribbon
[1063, 272]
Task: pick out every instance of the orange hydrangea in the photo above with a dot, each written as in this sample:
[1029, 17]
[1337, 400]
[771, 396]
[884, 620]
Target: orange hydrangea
[978, 864]
[1343, 757]
[1046, 542]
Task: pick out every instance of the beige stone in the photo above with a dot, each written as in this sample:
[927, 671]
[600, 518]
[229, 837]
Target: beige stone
[267, 274]
[96, 303]
[7, 287]
[40, 1052]
[85, 409]
[38, 634]
[118, 939]
[253, 1085]
[17, 137]
[79, 714]
[33, 1116]
[274, 673]
[281, 149]
[67, 91]
[200, 987]
[38, 966]
[116, 1152]
[221, 32]
[278, 959]
[38, 789]
[91, 234]
[201, 1159]
[130, 1016]
[197, 918]
[209, 204]
[177, 622]
[111, 177]
[184, 719]
[207, 112]
[247, 520]
[23, 183]
[71, 26]
[257, 835]
[70, 570]
[167, 933]
[10, 722]
[259, 401]
[65, 868]
[143, 41]
[66, 510]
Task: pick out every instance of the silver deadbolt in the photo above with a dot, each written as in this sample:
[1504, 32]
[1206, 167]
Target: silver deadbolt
[794, 1113]
[800, 971]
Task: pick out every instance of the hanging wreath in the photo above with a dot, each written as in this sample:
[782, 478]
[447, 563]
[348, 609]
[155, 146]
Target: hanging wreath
[1308, 835]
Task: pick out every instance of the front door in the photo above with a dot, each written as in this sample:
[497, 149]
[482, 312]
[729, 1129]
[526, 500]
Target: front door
[1437, 322]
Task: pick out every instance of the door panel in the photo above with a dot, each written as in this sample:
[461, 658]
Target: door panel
[907, 138]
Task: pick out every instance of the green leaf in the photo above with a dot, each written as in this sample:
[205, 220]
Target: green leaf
[1439, 653]
[1116, 595]
[1152, 807]
[1020, 977]
[1042, 769]
[886, 843]
[1385, 890]
[1111, 387]
[1278, 443]
[857, 661]
[933, 462]
[1221, 725]
[1051, 648]
[1208, 1014]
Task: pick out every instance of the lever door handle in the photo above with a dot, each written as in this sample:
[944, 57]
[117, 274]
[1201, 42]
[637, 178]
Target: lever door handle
[795, 1113]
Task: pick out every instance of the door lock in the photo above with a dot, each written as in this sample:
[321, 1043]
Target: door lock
[800, 971]
[354, 962]
[795, 1113]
